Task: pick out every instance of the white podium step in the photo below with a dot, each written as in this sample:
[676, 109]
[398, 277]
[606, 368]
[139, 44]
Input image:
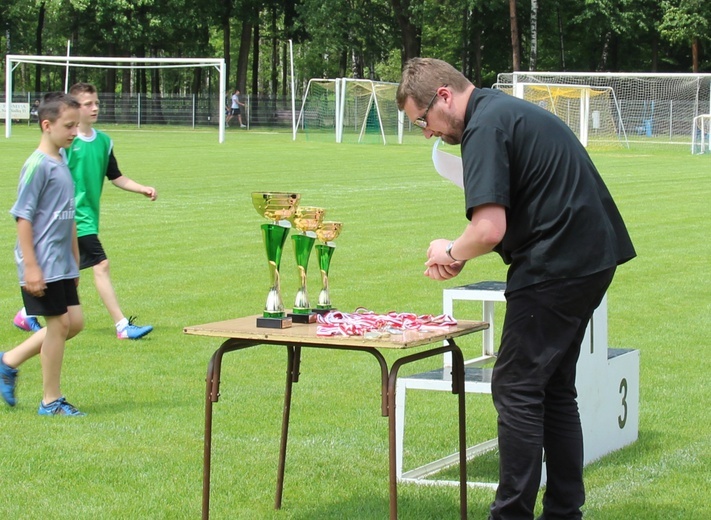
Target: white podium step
[607, 382]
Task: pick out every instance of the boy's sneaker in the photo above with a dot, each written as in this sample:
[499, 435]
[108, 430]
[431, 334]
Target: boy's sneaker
[8, 379]
[132, 331]
[243, 126]
[59, 407]
[27, 323]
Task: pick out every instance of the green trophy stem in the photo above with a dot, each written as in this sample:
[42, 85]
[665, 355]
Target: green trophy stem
[325, 252]
[274, 240]
[303, 245]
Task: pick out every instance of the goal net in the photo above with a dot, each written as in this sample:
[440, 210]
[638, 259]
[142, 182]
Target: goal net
[654, 109]
[591, 112]
[350, 111]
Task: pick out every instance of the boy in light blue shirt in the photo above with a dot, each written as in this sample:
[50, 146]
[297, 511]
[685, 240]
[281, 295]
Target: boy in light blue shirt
[47, 255]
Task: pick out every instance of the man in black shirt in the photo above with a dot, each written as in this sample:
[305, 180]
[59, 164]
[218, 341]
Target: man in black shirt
[534, 196]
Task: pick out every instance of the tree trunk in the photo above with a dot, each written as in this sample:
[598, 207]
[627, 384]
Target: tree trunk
[243, 58]
[562, 40]
[255, 59]
[410, 33]
[605, 53]
[38, 47]
[274, 75]
[533, 59]
[695, 54]
[515, 44]
[655, 51]
[226, 47]
[285, 69]
[110, 85]
[465, 54]
[477, 59]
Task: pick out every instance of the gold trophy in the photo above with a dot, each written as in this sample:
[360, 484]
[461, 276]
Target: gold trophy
[278, 207]
[306, 219]
[326, 233]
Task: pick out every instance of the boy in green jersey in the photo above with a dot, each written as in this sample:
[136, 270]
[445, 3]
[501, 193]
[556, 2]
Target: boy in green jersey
[91, 160]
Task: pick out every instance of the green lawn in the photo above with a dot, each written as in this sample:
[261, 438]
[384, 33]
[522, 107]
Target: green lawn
[196, 255]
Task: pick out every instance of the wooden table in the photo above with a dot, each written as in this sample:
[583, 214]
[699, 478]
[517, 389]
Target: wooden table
[243, 333]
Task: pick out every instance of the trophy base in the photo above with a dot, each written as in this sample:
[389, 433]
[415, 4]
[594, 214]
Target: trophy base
[274, 323]
[323, 311]
[309, 317]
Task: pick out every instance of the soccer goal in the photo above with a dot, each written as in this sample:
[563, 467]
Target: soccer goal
[13, 60]
[350, 111]
[656, 110]
[701, 134]
[591, 112]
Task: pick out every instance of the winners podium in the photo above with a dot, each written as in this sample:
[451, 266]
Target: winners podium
[607, 382]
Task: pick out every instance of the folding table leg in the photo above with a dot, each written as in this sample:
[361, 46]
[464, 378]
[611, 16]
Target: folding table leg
[292, 375]
[212, 394]
[457, 388]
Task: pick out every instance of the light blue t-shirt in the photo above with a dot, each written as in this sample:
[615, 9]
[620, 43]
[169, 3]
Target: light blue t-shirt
[45, 197]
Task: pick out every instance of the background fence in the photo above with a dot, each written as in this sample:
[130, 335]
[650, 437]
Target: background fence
[193, 110]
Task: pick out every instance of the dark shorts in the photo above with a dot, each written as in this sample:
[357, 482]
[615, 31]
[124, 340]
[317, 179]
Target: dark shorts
[58, 296]
[235, 111]
[91, 252]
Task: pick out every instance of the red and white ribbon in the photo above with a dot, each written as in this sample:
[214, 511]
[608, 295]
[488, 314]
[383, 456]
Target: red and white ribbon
[363, 321]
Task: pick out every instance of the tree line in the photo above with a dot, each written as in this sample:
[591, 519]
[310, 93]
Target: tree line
[368, 39]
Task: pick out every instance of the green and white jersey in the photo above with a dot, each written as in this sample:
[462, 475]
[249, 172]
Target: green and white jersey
[45, 197]
[88, 159]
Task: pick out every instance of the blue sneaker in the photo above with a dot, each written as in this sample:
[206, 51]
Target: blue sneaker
[132, 331]
[59, 407]
[26, 323]
[8, 379]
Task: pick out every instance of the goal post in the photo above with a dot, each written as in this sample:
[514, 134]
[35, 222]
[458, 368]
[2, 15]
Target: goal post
[13, 60]
[592, 113]
[350, 110]
[701, 134]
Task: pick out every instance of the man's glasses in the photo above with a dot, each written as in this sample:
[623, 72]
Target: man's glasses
[422, 121]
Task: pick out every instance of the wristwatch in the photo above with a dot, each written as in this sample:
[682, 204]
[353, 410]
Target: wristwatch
[448, 250]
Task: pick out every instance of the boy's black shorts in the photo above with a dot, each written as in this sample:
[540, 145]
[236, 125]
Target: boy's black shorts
[58, 296]
[91, 252]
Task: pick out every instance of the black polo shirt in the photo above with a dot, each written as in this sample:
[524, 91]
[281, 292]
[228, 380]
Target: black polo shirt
[561, 219]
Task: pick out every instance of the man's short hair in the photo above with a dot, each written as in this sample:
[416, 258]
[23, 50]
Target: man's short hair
[421, 77]
[53, 104]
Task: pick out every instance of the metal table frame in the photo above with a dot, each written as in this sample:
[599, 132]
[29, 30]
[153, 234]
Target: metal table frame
[240, 341]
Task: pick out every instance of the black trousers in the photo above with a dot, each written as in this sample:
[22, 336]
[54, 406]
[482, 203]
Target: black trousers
[533, 388]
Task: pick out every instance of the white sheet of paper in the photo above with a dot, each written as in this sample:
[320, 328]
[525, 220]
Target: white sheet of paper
[447, 165]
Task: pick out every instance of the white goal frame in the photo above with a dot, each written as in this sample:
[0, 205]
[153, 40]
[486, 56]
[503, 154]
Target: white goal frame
[13, 60]
[340, 91]
[701, 134]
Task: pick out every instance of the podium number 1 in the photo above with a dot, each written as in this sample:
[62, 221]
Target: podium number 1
[622, 419]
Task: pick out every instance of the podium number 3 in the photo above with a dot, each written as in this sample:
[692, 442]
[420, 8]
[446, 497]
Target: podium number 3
[622, 419]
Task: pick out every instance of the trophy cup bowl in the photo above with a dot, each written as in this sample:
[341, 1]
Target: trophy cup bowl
[279, 208]
[326, 233]
[275, 205]
[306, 219]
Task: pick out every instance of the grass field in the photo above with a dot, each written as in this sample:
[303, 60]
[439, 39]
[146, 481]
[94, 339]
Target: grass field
[195, 256]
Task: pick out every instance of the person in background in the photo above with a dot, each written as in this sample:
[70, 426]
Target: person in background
[236, 103]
